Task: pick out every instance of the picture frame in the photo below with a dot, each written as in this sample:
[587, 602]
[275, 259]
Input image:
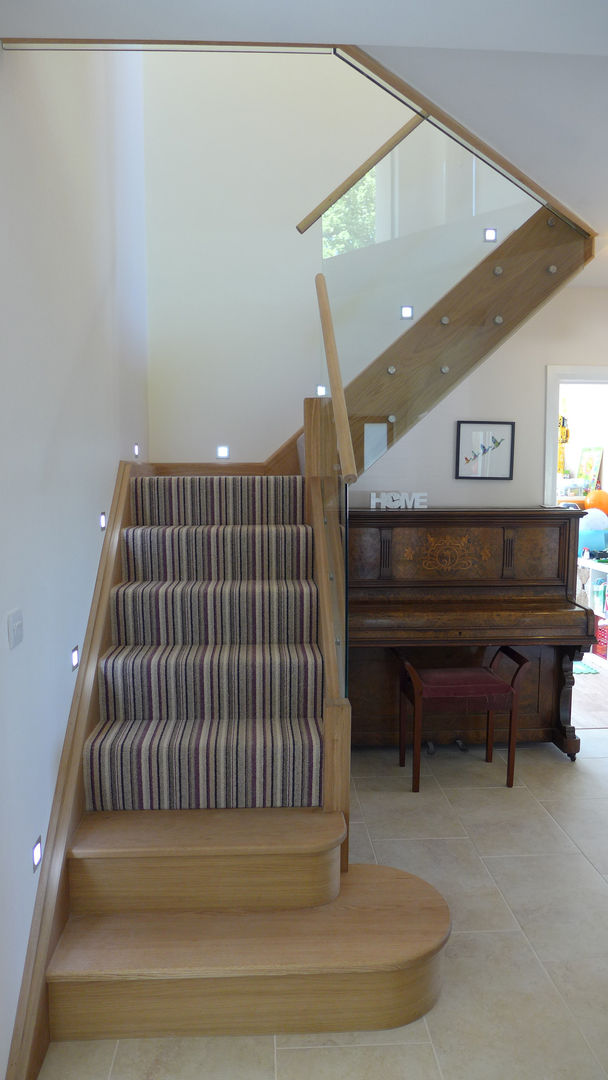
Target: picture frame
[484, 449]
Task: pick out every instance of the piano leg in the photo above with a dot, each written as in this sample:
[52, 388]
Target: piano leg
[565, 736]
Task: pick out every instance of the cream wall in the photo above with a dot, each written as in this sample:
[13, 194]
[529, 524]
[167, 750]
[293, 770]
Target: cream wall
[509, 385]
[238, 150]
[72, 354]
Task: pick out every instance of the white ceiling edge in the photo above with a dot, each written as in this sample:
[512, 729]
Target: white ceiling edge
[540, 112]
[520, 26]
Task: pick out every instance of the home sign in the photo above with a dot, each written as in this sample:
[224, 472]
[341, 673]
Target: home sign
[399, 500]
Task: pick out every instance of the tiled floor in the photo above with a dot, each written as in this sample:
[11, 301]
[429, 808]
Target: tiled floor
[525, 992]
[590, 694]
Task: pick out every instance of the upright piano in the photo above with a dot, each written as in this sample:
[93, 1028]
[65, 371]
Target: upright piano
[442, 586]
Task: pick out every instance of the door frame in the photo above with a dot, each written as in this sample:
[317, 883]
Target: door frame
[556, 375]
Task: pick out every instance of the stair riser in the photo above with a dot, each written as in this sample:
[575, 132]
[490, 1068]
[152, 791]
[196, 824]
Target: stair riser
[206, 764]
[218, 500]
[190, 553]
[248, 1005]
[191, 613]
[210, 883]
[214, 683]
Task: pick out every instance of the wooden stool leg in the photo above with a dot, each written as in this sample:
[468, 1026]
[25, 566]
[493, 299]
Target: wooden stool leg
[402, 723]
[417, 741]
[489, 735]
[513, 718]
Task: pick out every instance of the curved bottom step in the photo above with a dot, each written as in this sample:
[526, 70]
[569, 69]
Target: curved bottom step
[370, 959]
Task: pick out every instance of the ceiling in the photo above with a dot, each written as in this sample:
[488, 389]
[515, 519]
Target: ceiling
[532, 85]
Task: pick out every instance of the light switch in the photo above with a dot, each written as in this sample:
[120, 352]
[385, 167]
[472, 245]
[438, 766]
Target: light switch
[14, 624]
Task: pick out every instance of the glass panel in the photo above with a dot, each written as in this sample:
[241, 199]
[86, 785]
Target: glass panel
[351, 222]
[428, 267]
[405, 234]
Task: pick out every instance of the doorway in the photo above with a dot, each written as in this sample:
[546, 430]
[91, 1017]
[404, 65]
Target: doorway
[580, 395]
[589, 399]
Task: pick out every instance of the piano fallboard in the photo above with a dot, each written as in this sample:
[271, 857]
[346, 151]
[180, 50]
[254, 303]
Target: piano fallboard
[469, 622]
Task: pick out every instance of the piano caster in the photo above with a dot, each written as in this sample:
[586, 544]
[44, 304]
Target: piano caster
[462, 746]
[430, 748]
[572, 757]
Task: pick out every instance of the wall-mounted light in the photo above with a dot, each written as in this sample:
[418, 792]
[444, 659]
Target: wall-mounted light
[75, 657]
[321, 391]
[490, 235]
[407, 311]
[103, 521]
[136, 450]
[222, 452]
[37, 854]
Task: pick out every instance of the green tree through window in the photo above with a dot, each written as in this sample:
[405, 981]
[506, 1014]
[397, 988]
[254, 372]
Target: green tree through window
[351, 222]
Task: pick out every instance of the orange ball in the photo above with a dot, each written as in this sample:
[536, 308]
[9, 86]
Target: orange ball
[597, 500]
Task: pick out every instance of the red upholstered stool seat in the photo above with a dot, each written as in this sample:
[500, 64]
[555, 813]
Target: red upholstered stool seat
[461, 690]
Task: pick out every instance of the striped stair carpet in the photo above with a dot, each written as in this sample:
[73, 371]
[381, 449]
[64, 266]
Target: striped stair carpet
[212, 694]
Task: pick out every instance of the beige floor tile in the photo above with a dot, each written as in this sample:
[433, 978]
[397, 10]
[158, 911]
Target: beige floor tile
[416, 1032]
[390, 810]
[508, 821]
[547, 776]
[78, 1060]
[453, 768]
[586, 822]
[401, 1062]
[355, 808]
[458, 873]
[584, 986]
[499, 1016]
[593, 743]
[219, 1058]
[560, 901]
[383, 761]
[360, 845]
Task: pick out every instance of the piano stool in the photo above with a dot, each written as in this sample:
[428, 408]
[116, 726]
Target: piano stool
[463, 690]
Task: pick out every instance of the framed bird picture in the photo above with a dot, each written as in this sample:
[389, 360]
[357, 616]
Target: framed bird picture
[484, 449]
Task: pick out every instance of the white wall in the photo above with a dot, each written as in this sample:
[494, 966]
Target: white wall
[238, 150]
[73, 355]
[510, 385]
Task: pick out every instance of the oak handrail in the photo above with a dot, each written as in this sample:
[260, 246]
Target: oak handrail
[359, 173]
[343, 435]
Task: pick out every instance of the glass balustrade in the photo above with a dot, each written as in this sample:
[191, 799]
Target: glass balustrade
[430, 225]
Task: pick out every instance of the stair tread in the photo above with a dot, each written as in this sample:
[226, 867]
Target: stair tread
[383, 920]
[181, 833]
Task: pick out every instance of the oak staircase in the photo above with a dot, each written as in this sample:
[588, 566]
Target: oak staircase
[204, 879]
